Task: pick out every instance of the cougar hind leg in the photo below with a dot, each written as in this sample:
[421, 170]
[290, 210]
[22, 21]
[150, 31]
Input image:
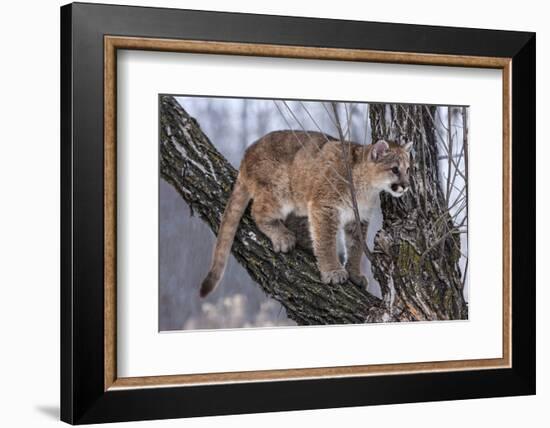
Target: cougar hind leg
[269, 216]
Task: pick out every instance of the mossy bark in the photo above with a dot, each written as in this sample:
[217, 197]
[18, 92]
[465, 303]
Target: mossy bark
[417, 252]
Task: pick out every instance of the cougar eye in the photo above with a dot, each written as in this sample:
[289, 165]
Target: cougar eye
[395, 170]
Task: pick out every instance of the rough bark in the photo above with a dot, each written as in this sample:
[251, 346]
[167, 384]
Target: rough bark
[204, 179]
[417, 251]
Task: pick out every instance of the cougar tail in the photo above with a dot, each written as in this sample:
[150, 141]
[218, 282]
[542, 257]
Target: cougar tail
[238, 201]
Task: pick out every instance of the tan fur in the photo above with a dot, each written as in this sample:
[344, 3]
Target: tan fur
[304, 174]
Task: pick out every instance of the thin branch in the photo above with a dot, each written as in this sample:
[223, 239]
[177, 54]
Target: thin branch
[367, 108]
[300, 141]
[449, 159]
[347, 162]
[443, 145]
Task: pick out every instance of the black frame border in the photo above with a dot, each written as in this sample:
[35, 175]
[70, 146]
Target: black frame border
[83, 399]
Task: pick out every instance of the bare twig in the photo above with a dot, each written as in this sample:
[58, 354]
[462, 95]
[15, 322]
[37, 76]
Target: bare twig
[449, 158]
[443, 145]
[347, 162]
[300, 141]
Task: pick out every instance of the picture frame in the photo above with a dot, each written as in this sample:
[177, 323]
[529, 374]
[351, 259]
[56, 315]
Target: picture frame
[91, 391]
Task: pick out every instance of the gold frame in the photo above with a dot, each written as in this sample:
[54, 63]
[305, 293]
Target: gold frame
[113, 43]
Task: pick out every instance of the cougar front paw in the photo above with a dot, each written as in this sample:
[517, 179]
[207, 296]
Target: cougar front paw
[284, 243]
[358, 279]
[336, 276]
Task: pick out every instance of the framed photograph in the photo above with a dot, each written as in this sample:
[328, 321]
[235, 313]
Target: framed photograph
[266, 213]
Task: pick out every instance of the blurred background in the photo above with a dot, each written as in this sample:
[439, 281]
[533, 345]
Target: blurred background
[232, 124]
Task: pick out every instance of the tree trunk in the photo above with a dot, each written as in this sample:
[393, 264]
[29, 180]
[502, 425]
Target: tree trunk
[204, 179]
[417, 251]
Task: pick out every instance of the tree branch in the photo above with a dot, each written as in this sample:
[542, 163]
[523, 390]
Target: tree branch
[204, 179]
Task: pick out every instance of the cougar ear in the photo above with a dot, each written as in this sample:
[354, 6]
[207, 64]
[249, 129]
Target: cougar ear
[408, 146]
[379, 149]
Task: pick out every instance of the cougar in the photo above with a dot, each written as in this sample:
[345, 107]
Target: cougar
[304, 174]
